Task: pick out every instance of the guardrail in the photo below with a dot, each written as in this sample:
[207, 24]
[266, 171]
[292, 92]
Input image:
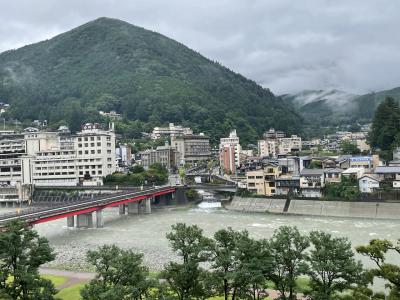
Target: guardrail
[33, 213]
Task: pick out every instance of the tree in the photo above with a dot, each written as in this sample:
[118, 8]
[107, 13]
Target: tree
[288, 248]
[186, 278]
[120, 275]
[349, 148]
[377, 250]
[333, 268]
[22, 252]
[385, 125]
[238, 263]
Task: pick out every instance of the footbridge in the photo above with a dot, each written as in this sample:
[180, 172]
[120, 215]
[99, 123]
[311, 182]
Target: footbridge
[80, 213]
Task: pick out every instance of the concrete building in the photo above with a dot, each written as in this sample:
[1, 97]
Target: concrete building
[230, 152]
[166, 155]
[171, 130]
[262, 182]
[311, 182]
[192, 147]
[95, 153]
[12, 147]
[124, 155]
[275, 143]
[59, 159]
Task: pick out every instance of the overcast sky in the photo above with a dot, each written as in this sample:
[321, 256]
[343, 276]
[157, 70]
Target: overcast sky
[285, 45]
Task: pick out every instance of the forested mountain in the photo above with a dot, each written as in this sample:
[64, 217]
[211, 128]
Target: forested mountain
[330, 108]
[108, 64]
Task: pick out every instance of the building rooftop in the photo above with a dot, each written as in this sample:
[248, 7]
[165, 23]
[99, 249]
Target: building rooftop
[333, 170]
[311, 172]
[387, 170]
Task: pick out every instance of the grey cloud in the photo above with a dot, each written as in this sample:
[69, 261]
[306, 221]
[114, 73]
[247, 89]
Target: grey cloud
[284, 45]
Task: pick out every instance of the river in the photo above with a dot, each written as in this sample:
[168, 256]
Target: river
[146, 233]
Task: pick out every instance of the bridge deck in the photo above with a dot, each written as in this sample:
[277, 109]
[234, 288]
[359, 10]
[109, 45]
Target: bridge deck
[36, 215]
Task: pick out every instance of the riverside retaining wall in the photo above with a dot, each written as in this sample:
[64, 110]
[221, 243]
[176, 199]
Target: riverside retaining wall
[380, 210]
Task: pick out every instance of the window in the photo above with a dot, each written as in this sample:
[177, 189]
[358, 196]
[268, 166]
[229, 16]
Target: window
[80, 145]
[86, 144]
[92, 151]
[98, 144]
[91, 144]
[99, 151]
[108, 151]
[108, 144]
[80, 152]
[86, 138]
[79, 139]
[92, 138]
[86, 151]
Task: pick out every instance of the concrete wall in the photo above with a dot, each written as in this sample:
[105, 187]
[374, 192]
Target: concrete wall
[319, 208]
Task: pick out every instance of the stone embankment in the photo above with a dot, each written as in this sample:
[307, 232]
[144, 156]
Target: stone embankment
[375, 210]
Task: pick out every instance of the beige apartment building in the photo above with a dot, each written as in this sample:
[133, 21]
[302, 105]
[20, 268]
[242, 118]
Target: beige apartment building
[263, 181]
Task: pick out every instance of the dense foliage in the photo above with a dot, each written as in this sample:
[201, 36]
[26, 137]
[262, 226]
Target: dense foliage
[346, 189]
[377, 251]
[22, 252]
[150, 79]
[120, 275]
[385, 131]
[137, 176]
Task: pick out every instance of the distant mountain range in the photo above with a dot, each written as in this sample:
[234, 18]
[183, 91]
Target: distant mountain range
[335, 107]
[150, 79]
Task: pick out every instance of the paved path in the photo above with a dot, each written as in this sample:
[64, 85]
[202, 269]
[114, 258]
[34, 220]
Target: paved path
[73, 277]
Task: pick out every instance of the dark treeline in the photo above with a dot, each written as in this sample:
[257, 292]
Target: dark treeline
[230, 265]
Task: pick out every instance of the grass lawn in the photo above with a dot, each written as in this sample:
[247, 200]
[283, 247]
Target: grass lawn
[71, 293]
[57, 280]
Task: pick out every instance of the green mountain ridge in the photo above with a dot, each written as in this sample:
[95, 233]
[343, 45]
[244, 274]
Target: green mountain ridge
[108, 64]
[330, 108]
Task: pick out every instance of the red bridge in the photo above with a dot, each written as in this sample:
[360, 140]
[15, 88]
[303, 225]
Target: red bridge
[132, 202]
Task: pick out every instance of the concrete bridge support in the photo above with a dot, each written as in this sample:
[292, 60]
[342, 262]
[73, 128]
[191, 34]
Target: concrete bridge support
[148, 205]
[133, 208]
[71, 221]
[84, 220]
[121, 209]
[99, 219]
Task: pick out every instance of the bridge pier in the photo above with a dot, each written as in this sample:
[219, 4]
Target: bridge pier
[121, 209]
[84, 220]
[99, 219]
[148, 206]
[71, 221]
[133, 208]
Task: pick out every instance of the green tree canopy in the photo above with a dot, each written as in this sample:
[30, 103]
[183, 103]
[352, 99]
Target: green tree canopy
[22, 252]
[333, 267]
[386, 125]
[120, 274]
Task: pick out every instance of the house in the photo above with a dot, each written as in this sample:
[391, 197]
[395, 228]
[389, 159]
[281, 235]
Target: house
[262, 182]
[368, 183]
[328, 163]
[354, 173]
[389, 174]
[333, 175]
[311, 182]
[285, 184]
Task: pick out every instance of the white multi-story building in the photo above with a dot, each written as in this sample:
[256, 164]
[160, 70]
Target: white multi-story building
[57, 159]
[230, 152]
[171, 130]
[95, 152]
[274, 145]
[192, 148]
